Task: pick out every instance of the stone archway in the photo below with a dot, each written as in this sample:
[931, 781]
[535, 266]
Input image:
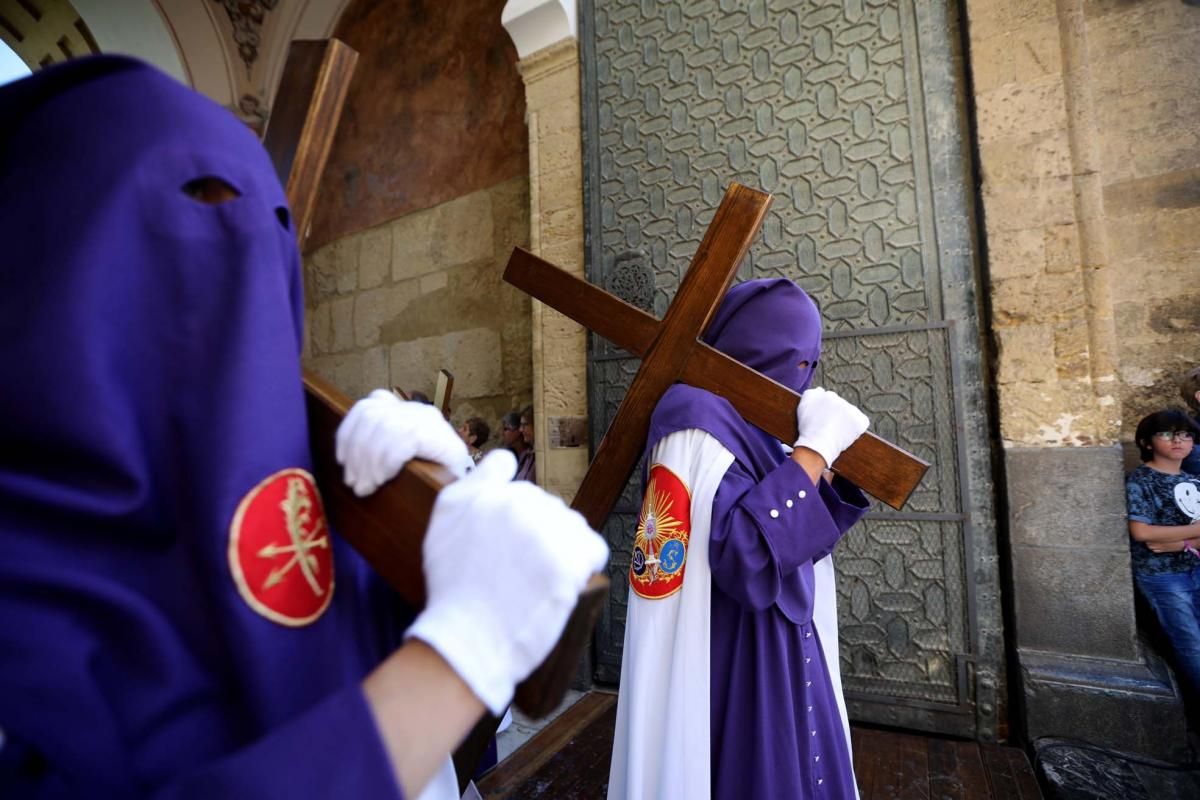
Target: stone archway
[45, 33]
[232, 52]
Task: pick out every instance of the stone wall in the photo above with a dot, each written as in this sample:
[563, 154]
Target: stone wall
[395, 303]
[556, 191]
[436, 111]
[1090, 166]
[1090, 160]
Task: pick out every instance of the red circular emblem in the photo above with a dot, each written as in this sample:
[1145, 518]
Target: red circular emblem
[279, 549]
[660, 545]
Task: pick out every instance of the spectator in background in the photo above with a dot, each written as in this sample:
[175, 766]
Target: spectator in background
[1189, 390]
[475, 433]
[1164, 530]
[526, 469]
[510, 434]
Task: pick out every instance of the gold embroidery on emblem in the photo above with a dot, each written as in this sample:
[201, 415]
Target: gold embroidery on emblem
[660, 544]
[284, 511]
[297, 514]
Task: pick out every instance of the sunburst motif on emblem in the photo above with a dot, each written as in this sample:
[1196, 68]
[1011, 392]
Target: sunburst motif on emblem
[660, 544]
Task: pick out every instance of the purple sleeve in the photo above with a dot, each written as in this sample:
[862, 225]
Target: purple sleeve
[846, 504]
[762, 530]
[332, 750]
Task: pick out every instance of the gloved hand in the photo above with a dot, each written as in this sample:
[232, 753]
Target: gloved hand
[504, 565]
[827, 423]
[382, 432]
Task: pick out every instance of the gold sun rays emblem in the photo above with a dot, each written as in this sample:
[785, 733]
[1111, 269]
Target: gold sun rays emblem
[660, 544]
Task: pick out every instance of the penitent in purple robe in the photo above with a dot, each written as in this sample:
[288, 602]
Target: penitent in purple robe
[176, 621]
[775, 728]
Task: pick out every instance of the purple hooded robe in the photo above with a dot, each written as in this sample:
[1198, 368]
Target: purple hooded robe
[775, 727]
[150, 365]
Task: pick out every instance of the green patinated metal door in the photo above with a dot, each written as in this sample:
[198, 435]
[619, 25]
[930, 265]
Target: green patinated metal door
[852, 114]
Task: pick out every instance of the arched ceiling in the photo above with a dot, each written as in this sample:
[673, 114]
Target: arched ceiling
[231, 50]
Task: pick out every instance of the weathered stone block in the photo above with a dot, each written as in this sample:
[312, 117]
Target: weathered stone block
[1022, 109]
[992, 62]
[375, 374]
[320, 329]
[1127, 705]
[1039, 300]
[558, 154]
[343, 371]
[1023, 354]
[563, 224]
[1074, 600]
[510, 216]
[1062, 413]
[1072, 353]
[560, 190]
[1037, 50]
[341, 312]
[518, 365]
[375, 257]
[463, 230]
[344, 255]
[433, 282]
[1062, 248]
[1160, 232]
[375, 308]
[412, 244]
[472, 355]
[1021, 158]
[1172, 190]
[562, 471]
[554, 82]
[1036, 203]
[1068, 497]
[1017, 254]
[320, 275]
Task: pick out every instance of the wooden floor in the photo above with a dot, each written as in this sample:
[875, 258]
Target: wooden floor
[569, 759]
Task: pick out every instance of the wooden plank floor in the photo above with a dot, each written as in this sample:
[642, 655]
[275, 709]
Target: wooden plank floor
[568, 760]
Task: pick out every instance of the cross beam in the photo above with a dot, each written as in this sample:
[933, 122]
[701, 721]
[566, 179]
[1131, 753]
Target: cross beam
[300, 130]
[445, 388]
[388, 527]
[670, 353]
[441, 395]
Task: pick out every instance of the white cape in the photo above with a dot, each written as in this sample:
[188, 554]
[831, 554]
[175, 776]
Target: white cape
[661, 744]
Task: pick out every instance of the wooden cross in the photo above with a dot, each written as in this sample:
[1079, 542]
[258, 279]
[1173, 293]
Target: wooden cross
[441, 395]
[670, 352]
[388, 527]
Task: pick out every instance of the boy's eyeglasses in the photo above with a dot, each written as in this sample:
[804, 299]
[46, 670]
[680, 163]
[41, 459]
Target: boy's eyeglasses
[1166, 436]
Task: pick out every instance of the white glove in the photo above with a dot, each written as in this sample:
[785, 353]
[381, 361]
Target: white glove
[827, 423]
[382, 432]
[504, 565]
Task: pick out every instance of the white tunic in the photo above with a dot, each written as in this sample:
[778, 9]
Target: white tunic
[661, 744]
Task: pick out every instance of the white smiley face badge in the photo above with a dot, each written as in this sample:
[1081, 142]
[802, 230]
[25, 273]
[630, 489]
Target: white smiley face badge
[1187, 497]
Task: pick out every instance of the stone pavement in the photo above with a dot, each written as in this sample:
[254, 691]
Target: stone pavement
[1075, 770]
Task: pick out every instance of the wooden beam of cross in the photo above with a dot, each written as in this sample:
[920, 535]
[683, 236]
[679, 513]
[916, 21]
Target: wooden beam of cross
[388, 527]
[300, 130]
[670, 352]
[441, 395]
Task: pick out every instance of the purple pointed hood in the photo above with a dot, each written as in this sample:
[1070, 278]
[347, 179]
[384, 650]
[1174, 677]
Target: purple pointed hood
[150, 364]
[771, 325]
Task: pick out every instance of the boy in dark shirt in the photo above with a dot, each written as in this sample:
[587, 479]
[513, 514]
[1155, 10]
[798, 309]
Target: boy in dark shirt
[1164, 529]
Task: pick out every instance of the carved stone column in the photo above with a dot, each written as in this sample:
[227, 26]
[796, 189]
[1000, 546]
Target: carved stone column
[1074, 284]
[544, 33]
